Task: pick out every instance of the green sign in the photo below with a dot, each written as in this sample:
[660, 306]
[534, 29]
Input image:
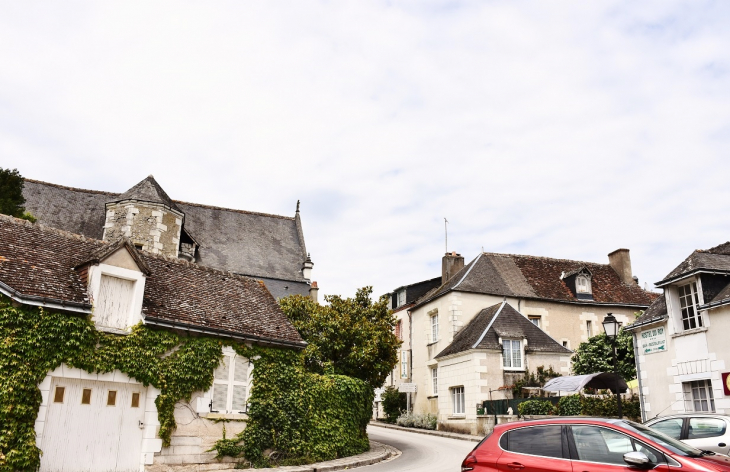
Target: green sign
[653, 340]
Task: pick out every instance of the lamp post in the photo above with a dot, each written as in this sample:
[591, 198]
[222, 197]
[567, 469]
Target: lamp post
[611, 326]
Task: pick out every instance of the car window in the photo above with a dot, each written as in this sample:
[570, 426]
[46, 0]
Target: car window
[705, 428]
[677, 447]
[595, 444]
[671, 427]
[544, 441]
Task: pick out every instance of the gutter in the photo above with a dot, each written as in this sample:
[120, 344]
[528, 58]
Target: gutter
[220, 332]
[716, 304]
[34, 300]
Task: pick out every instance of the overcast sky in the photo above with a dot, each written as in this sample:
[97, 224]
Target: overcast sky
[553, 128]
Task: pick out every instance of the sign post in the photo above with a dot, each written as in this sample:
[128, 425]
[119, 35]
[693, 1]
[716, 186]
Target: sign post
[408, 388]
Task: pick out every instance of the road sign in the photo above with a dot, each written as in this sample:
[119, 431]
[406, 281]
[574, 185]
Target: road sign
[407, 387]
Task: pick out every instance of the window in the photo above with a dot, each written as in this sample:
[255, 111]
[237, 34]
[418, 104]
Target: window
[135, 400]
[534, 320]
[671, 427]
[114, 302]
[698, 396]
[434, 328]
[398, 330]
[401, 298]
[705, 428]
[404, 364]
[512, 354]
[596, 444]
[543, 441]
[565, 344]
[582, 284]
[434, 380]
[589, 328]
[111, 398]
[86, 396]
[58, 396]
[230, 385]
[688, 302]
[457, 400]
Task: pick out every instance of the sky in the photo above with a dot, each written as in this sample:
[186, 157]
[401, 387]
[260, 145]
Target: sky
[562, 129]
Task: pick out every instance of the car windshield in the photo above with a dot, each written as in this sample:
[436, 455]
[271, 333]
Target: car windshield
[662, 439]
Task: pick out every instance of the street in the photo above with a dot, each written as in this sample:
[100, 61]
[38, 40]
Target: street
[421, 452]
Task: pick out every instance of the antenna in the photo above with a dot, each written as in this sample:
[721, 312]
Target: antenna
[446, 236]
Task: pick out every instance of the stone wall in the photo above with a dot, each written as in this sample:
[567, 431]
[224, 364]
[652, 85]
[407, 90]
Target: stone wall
[154, 227]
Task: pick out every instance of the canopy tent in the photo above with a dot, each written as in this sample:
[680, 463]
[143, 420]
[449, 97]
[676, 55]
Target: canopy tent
[575, 383]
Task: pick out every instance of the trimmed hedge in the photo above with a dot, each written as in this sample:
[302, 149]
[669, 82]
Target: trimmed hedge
[535, 407]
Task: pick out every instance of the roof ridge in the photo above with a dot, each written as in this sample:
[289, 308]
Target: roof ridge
[213, 207]
[75, 189]
[49, 229]
[543, 257]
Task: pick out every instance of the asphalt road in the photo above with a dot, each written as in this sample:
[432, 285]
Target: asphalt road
[420, 452]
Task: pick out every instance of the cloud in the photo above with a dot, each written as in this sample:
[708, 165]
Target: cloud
[558, 129]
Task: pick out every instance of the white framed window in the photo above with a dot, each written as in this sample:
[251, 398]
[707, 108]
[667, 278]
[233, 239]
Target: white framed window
[589, 328]
[434, 327]
[435, 380]
[401, 297]
[512, 354]
[404, 364]
[688, 303]
[698, 396]
[230, 384]
[582, 284]
[457, 401]
[534, 320]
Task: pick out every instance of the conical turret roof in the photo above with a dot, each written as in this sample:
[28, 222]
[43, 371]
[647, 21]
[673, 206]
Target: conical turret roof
[148, 190]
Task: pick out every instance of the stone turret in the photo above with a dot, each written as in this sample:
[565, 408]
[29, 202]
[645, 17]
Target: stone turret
[147, 217]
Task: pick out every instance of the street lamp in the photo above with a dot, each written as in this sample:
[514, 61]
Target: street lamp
[611, 327]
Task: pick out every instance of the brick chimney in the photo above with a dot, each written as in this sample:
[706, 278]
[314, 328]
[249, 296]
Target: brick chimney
[620, 261]
[313, 291]
[450, 265]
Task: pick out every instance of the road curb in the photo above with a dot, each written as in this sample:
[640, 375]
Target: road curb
[443, 434]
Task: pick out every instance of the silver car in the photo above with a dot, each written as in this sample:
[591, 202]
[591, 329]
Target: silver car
[704, 431]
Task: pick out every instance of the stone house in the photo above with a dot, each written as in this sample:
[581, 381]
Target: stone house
[110, 418]
[682, 355]
[566, 299]
[493, 349]
[266, 247]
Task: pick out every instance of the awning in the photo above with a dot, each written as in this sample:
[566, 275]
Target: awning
[575, 383]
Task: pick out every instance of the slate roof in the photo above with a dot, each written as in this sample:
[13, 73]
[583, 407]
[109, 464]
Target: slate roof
[501, 320]
[148, 190]
[716, 259]
[534, 277]
[248, 243]
[39, 261]
[656, 312]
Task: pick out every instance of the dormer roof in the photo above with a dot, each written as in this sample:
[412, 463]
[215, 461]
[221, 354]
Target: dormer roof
[107, 250]
[148, 190]
[716, 260]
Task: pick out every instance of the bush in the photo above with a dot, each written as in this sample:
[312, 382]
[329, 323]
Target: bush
[607, 406]
[535, 407]
[409, 420]
[570, 406]
[394, 402]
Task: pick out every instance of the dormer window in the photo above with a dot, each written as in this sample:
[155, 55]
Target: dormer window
[401, 298]
[582, 284]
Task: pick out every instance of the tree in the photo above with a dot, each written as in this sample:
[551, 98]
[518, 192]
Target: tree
[348, 336]
[596, 356]
[11, 194]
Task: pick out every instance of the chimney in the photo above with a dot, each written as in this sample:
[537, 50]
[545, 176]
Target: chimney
[307, 268]
[313, 291]
[620, 261]
[450, 265]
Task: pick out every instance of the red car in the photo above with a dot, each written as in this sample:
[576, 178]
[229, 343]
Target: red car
[586, 445]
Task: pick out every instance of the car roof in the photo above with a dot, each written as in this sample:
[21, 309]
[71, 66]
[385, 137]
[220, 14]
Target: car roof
[688, 415]
[557, 421]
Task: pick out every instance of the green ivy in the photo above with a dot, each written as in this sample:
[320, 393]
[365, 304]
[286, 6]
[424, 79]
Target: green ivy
[34, 341]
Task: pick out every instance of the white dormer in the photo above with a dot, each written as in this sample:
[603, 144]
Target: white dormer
[116, 285]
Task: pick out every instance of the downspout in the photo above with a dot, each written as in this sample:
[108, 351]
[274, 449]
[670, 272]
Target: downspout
[410, 354]
[638, 375]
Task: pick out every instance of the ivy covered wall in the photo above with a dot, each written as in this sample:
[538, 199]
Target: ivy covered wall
[302, 416]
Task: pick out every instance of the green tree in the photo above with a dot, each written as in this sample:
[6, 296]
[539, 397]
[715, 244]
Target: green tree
[347, 336]
[11, 194]
[596, 356]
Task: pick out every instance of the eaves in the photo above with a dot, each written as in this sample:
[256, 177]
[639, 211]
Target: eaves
[54, 303]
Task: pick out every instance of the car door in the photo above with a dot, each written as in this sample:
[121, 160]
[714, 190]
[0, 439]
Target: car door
[601, 449]
[707, 433]
[541, 448]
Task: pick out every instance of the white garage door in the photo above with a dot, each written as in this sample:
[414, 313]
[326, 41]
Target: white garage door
[93, 426]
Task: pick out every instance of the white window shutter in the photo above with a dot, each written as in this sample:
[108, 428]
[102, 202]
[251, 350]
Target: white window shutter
[223, 370]
[239, 398]
[220, 397]
[241, 369]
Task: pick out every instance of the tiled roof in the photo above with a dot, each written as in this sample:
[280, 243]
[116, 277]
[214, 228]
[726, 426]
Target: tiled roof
[501, 321]
[249, 243]
[657, 311]
[39, 261]
[148, 190]
[714, 259]
[520, 276]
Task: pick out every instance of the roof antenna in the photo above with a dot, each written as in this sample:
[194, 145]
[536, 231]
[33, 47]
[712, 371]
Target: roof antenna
[297, 206]
[446, 236]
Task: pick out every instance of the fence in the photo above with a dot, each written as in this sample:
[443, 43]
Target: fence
[500, 407]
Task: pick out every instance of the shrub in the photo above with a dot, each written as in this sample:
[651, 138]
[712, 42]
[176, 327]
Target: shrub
[607, 406]
[409, 420]
[570, 405]
[535, 407]
[394, 402]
